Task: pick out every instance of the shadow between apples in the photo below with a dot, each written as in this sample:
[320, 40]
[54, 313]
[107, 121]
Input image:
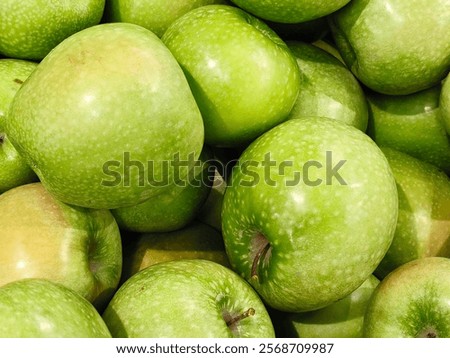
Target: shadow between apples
[407, 222]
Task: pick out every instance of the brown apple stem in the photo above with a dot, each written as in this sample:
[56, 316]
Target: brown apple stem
[250, 312]
[18, 80]
[256, 261]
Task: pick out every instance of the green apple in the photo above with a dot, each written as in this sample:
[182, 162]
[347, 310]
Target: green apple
[123, 115]
[328, 46]
[242, 75]
[13, 74]
[196, 241]
[44, 238]
[155, 15]
[290, 11]
[187, 299]
[342, 319]
[423, 226]
[411, 124]
[394, 46]
[31, 29]
[14, 170]
[211, 211]
[412, 302]
[310, 212]
[38, 308]
[174, 208]
[444, 103]
[328, 88]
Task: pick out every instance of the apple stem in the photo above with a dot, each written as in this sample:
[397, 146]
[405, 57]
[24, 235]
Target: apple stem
[2, 137]
[256, 261]
[250, 312]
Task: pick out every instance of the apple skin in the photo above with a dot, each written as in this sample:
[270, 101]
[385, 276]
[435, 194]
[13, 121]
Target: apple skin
[342, 319]
[412, 301]
[328, 46]
[196, 241]
[328, 88]
[243, 76]
[290, 11]
[411, 124]
[31, 29]
[14, 170]
[186, 299]
[38, 308]
[13, 74]
[174, 208]
[155, 15]
[44, 238]
[120, 91]
[409, 38]
[423, 226]
[444, 103]
[304, 245]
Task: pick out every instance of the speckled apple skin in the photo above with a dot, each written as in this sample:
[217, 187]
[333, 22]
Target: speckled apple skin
[412, 124]
[14, 169]
[119, 90]
[328, 88]
[155, 15]
[173, 209]
[342, 319]
[186, 299]
[243, 76]
[394, 46]
[413, 298]
[37, 308]
[44, 238]
[290, 11]
[423, 225]
[31, 29]
[325, 239]
[12, 75]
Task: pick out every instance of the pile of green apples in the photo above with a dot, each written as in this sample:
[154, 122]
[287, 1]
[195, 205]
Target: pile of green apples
[244, 168]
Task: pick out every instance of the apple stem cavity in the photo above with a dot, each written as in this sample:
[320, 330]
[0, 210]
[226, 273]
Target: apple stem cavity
[92, 252]
[427, 333]
[262, 247]
[234, 320]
